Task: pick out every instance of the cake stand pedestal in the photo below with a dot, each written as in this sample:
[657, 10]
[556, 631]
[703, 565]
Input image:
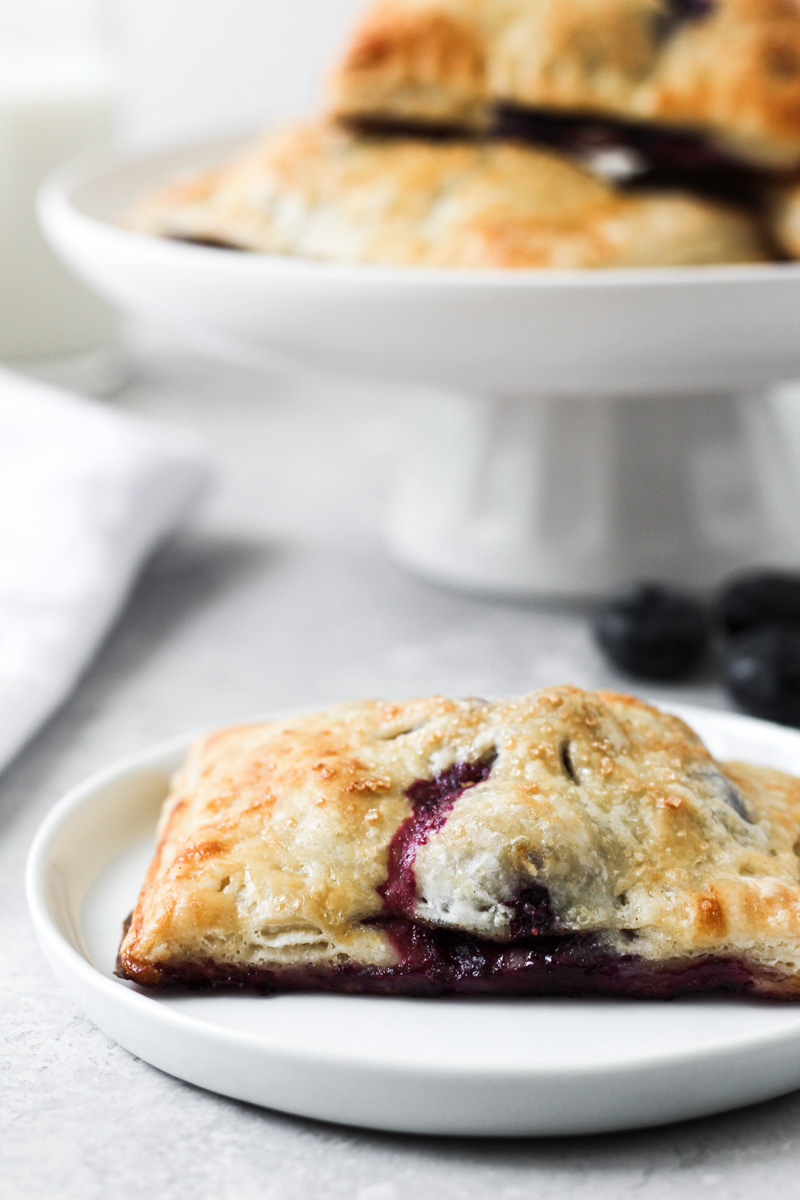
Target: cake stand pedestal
[649, 448]
[523, 495]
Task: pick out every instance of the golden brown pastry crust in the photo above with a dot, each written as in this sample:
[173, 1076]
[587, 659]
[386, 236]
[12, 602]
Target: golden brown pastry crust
[278, 843]
[783, 212]
[318, 191]
[729, 68]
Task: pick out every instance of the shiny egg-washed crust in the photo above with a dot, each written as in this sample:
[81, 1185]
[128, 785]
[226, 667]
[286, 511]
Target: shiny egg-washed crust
[317, 191]
[729, 69]
[274, 842]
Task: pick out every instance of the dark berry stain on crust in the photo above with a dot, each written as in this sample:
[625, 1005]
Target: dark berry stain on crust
[432, 800]
[580, 133]
[734, 799]
[682, 12]
[210, 243]
[664, 147]
[565, 756]
[661, 157]
[533, 915]
[691, 10]
[395, 127]
[435, 962]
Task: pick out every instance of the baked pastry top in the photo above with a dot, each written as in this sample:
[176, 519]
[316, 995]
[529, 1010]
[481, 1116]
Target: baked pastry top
[320, 191]
[566, 841]
[727, 69]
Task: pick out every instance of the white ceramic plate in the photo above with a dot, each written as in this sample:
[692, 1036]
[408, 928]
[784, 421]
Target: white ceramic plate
[549, 332]
[448, 1066]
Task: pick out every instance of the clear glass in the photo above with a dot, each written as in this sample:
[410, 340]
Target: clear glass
[34, 23]
[59, 96]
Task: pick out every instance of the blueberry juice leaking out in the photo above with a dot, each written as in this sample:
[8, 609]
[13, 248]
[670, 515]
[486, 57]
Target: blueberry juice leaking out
[436, 961]
[435, 953]
[432, 801]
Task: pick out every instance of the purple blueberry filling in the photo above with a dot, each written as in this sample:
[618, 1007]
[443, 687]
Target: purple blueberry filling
[661, 147]
[432, 800]
[692, 10]
[581, 134]
[682, 12]
[655, 156]
[396, 127]
[212, 243]
[533, 915]
[435, 962]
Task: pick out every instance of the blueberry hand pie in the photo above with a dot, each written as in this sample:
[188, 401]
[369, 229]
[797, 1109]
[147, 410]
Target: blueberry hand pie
[565, 842]
[726, 72]
[319, 191]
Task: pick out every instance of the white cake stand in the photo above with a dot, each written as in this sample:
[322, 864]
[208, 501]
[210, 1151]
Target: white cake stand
[603, 425]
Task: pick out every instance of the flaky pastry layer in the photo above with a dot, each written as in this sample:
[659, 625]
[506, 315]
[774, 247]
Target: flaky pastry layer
[729, 69]
[563, 841]
[317, 191]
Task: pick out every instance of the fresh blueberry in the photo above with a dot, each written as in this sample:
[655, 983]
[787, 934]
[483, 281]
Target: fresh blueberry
[651, 631]
[762, 672]
[760, 598]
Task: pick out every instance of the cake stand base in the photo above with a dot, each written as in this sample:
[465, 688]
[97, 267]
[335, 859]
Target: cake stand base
[524, 496]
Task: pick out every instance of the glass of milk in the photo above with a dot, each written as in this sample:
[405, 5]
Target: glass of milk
[59, 95]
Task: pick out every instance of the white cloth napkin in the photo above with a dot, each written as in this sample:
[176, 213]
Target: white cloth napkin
[85, 494]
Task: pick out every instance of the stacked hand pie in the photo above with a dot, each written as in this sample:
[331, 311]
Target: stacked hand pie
[529, 133]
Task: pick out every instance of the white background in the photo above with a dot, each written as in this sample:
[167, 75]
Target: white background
[201, 66]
